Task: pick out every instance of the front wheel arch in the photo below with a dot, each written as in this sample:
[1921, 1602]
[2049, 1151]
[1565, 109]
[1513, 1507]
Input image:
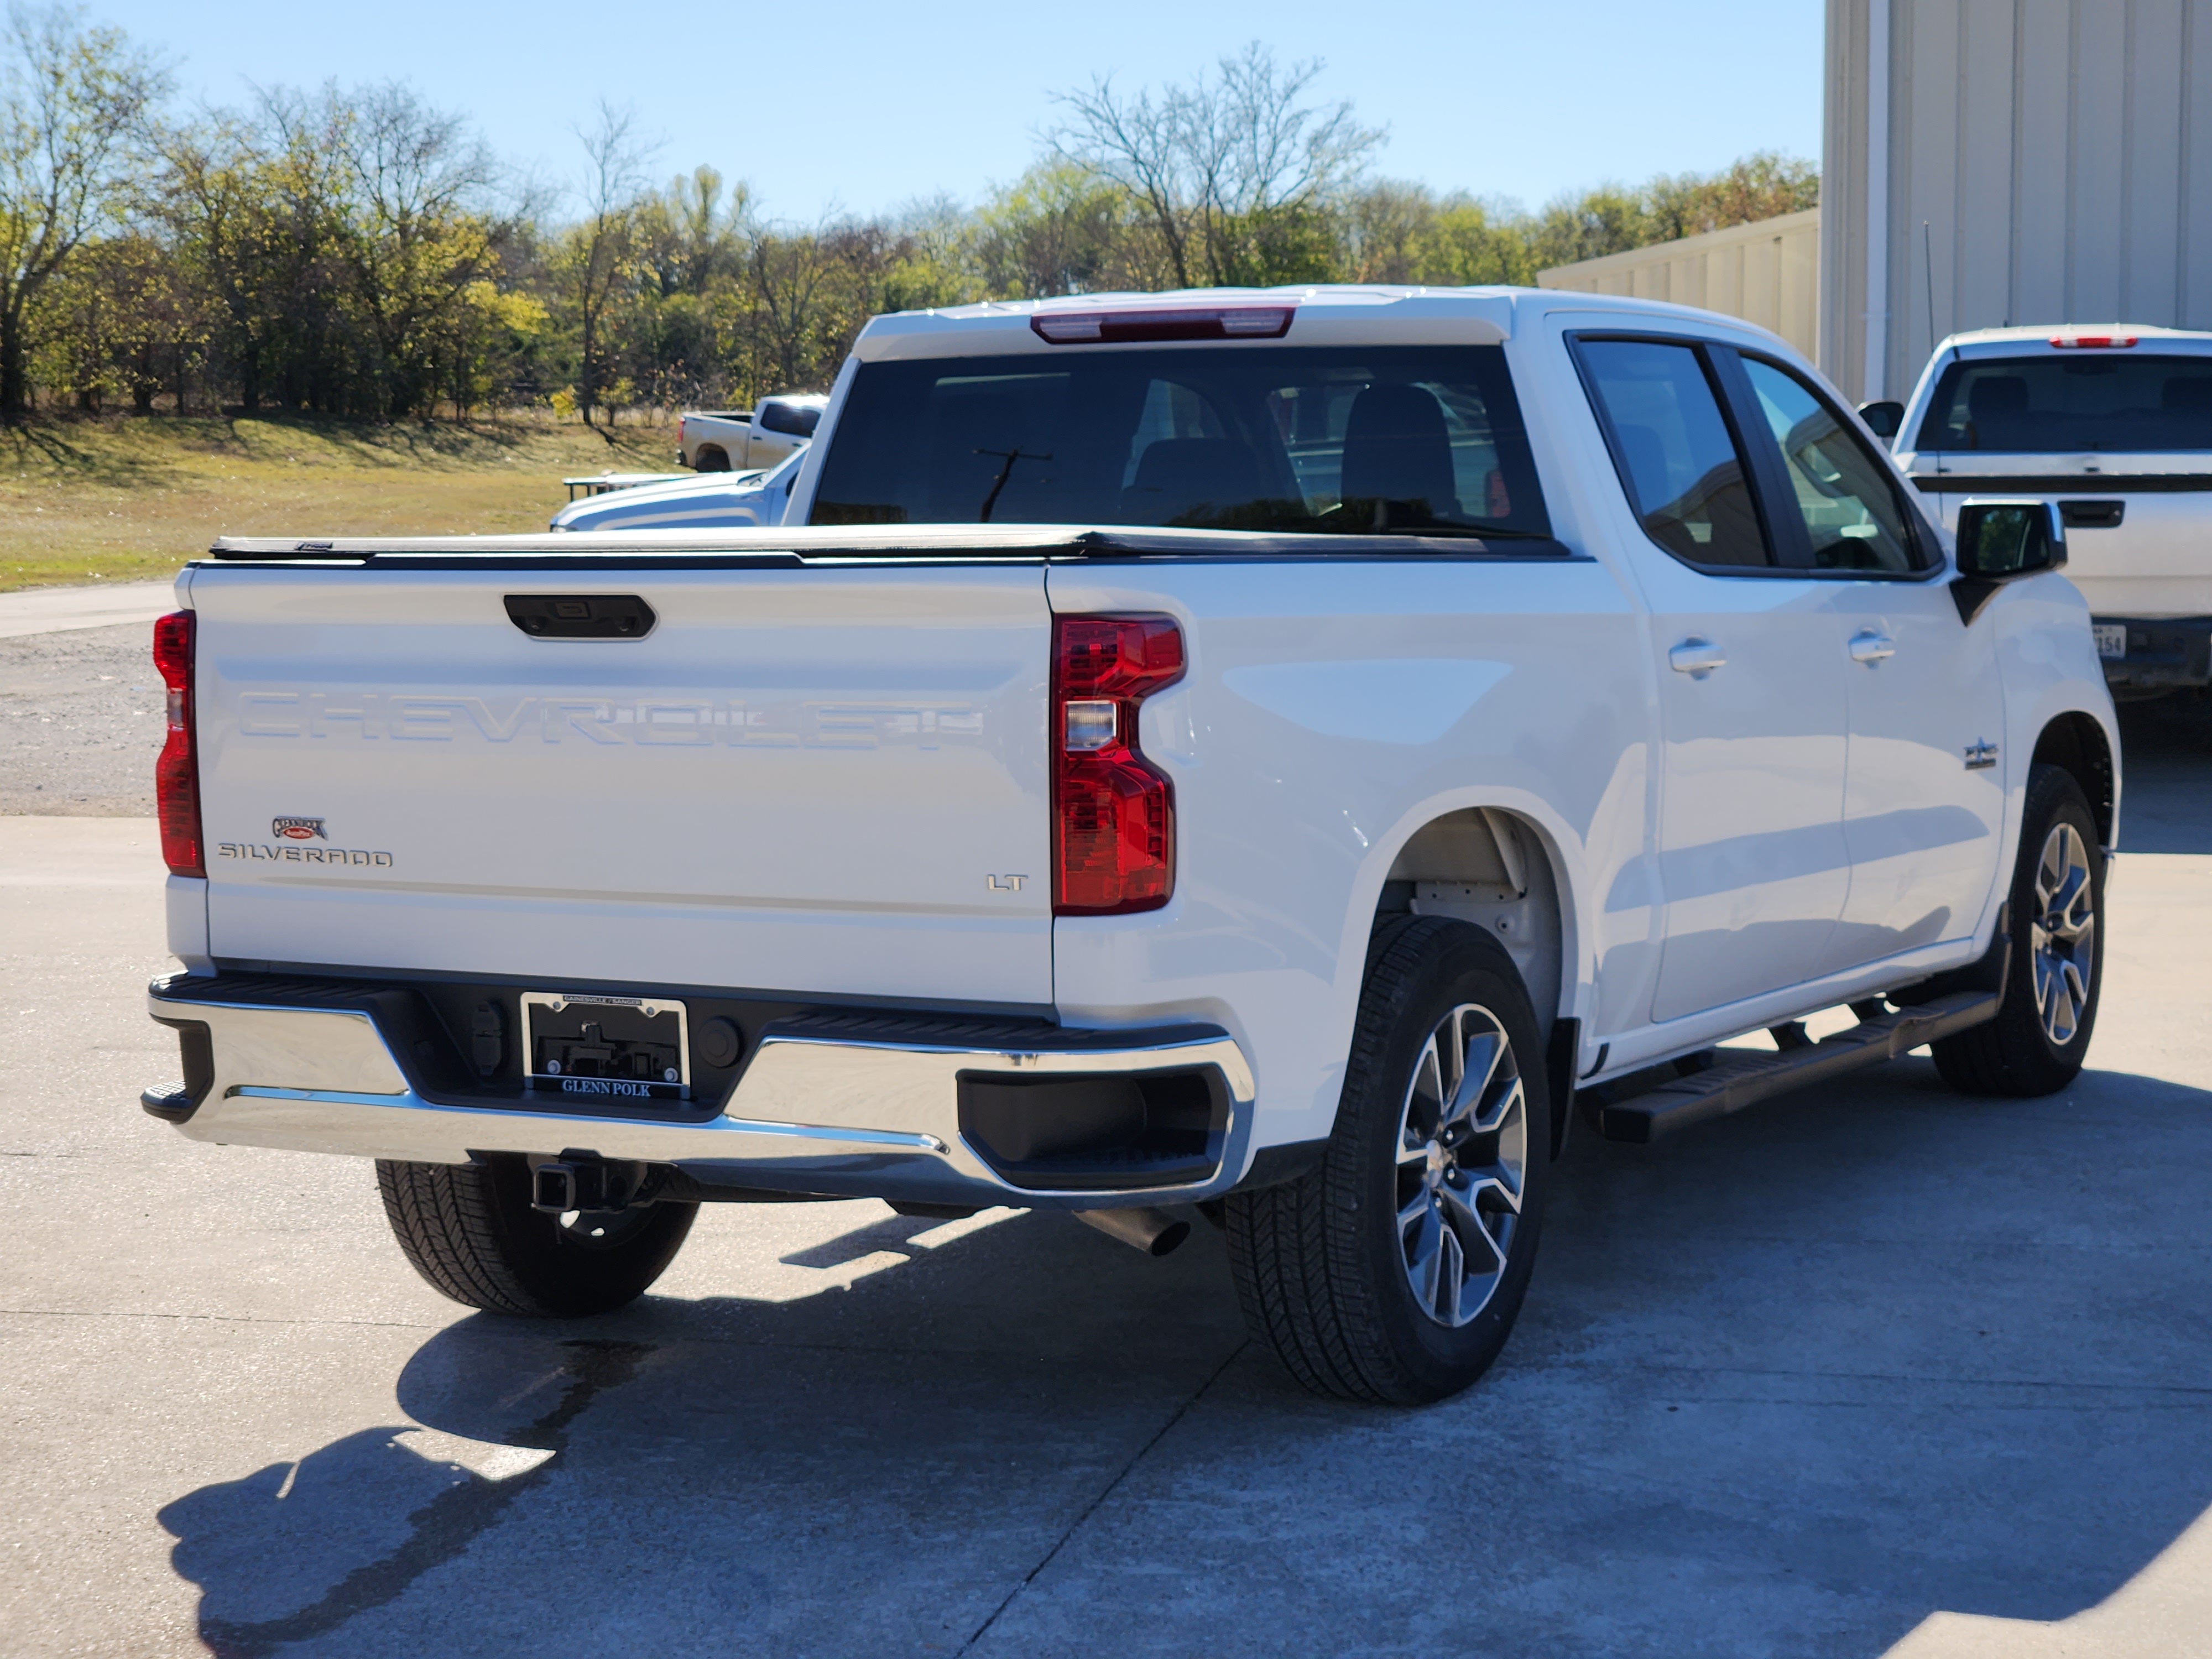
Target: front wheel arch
[2076, 743]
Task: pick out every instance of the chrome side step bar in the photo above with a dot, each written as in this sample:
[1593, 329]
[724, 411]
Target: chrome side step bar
[1738, 1079]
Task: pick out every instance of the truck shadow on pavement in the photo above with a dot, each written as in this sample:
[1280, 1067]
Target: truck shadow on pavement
[2166, 802]
[1789, 1383]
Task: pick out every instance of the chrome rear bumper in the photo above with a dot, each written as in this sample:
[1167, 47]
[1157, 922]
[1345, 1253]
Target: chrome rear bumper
[863, 1117]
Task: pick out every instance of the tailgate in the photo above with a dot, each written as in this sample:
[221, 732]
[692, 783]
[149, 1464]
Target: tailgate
[2138, 543]
[818, 782]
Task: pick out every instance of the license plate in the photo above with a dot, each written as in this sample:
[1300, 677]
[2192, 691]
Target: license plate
[2112, 639]
[586, 1047]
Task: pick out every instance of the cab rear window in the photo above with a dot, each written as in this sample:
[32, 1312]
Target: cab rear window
[1413, 440]
[2063, 401]
[793, 419]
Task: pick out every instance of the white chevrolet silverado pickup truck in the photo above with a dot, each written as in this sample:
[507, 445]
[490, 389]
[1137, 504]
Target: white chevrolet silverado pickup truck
[1275, 753]
[2112, 425]
[747, 439]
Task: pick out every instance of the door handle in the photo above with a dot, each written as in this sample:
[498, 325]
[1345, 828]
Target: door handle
[1871, 647]
[2092, 515]
[1696, 658]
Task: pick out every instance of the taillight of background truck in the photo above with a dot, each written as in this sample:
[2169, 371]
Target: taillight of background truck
[1113, 812]
[177, 773]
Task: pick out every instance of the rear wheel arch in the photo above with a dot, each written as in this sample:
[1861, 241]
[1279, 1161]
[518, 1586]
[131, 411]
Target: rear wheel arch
[1511, 882]
[712, 458]
[2076, 743]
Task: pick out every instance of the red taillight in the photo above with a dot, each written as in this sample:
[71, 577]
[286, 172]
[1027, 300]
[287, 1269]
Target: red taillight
[1163, 323]
[1113, 813]
[2092, 342]
[177, 773]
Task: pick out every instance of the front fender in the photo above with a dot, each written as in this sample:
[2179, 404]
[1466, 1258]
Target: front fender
[2047, 659]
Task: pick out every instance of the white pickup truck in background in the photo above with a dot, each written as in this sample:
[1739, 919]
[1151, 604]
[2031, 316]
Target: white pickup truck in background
[747, 439]
[1267, 752]
[715, 501]
[2113, 426]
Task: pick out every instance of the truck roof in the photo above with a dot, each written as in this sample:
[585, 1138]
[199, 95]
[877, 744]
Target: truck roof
[1979, 341]
[1331, 313]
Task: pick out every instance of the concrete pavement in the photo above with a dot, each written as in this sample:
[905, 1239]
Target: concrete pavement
[58, 610]
[1871, 1369]
[82, 714]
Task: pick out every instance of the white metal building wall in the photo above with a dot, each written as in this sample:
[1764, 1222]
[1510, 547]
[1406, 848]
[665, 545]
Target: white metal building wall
[1767, 273]
[2009, 162]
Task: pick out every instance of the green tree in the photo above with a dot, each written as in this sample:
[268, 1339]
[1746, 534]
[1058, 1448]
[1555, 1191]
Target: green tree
[1059, 228]
[76, 98]
[1396, 232]
[482, 340]
[419, 232]
[1606, 220]
[1763, 185]
[687, 256]
[246, 226]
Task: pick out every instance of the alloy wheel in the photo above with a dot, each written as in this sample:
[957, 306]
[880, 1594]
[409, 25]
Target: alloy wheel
[1462, 1157]
[2062, 936]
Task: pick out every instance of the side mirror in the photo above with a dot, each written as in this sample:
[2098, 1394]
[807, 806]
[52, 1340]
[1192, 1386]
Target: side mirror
[2001, 542]
[1882, 418]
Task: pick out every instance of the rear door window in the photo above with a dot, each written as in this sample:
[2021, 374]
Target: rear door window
[2062, 402]
[1402, 440]
[1849, 504]
[1685, 475]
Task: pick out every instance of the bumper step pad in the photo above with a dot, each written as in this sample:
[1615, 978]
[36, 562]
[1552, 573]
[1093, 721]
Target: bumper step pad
[1737, 1079]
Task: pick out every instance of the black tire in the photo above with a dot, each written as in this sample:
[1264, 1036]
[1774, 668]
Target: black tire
[711, 461]
[2018, 1053]
[469, 1229]
[1322, 1268]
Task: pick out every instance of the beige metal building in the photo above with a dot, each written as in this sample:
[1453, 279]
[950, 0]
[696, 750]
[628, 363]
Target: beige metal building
[1994, 161]
[1985, 162]
[1767, 273]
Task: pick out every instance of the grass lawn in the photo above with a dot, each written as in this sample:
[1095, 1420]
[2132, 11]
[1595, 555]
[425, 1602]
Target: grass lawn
[123, 498]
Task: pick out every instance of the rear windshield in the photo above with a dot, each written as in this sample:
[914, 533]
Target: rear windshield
[1419, 441]
[793, 420]
[2072, 400]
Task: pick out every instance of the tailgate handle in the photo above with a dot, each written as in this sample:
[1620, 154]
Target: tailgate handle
[2092, 515]
[580, 616]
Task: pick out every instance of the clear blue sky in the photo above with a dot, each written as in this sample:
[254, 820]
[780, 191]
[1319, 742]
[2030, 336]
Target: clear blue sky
[888, 102]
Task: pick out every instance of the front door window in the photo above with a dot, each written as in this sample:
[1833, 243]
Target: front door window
[1846, 498]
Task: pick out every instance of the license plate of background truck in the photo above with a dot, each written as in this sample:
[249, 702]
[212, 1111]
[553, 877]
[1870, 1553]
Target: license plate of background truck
[2111, 640]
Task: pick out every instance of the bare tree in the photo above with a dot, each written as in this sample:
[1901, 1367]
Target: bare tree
[1142, 149]
[76, 98]
[598, 256]
[1219, 164]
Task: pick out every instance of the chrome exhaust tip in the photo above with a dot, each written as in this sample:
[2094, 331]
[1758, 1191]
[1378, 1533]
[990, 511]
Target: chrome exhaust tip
[1153, 1232]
